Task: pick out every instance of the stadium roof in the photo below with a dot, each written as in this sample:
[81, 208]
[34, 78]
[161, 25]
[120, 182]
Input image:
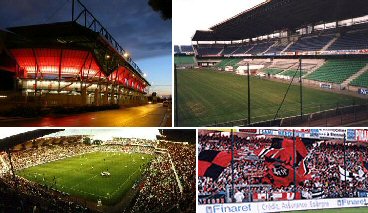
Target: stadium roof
[276, 15]
[178, 135]
[20, 138]
[72, 35]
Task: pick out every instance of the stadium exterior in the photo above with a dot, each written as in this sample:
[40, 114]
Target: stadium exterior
[75, 63]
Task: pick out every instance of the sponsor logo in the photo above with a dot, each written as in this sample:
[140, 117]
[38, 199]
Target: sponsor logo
[350, 134]
[209, 209]
[326, 86]
[363, 91]
[314, 133]
[268, 132]
[351, 202]
[319, 204]
[229, 208]
[362, 135]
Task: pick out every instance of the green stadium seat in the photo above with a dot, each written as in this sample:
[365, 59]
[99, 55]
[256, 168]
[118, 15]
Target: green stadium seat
[272, 71]
[291, 73]
[361, 81]
[184, 60]
[228, 62]
[337, 71]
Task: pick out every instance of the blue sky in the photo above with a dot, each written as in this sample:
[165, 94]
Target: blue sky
[134, 24]
[160, 64]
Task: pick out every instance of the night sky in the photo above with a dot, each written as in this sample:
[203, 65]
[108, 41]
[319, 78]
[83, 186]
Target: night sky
[134, 24]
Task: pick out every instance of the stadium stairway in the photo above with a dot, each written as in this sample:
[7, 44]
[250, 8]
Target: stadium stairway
[4, 166]
[320, 64]
[249, 49]
[220, 53]
[356, 75]
[287, 47]
[269, 48]
[361, 81]
[330, 43]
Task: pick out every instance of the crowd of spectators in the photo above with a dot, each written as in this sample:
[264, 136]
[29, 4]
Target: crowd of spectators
[131, 141]
[159, 190]
[43, 154]
[4, 167]
[184, 159]
[20, 195]
[324, 161]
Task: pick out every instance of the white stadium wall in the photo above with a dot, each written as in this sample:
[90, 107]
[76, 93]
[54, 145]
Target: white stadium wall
[280, 206]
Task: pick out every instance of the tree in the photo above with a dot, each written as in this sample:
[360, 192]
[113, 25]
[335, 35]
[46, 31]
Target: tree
[162, 6]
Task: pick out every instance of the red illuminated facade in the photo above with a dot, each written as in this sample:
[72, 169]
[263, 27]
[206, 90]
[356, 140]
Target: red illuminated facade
[69, 64]
[59, 64]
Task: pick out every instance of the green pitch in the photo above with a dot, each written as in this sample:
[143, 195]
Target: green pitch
[207, 97]
[81, 175]
[344, 210]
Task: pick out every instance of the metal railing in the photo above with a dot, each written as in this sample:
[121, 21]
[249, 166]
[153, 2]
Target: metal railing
[336, 116]
[88, 20]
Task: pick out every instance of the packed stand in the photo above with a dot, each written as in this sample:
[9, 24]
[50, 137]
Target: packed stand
[183, 157]
[325, 162]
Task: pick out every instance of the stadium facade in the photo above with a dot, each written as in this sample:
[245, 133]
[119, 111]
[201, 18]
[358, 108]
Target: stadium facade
[330, 37]
[73, 63]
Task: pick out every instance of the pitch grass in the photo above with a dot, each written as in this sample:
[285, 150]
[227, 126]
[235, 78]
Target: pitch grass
[81, 175]
[343, 210]
[208, 97]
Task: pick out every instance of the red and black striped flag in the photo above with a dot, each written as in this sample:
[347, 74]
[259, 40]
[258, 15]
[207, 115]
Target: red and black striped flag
[211, 163]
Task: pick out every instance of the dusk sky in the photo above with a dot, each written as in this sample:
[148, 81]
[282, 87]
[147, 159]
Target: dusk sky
[134, 24]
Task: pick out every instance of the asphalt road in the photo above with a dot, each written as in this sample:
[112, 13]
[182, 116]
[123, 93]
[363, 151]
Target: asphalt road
[151, 115]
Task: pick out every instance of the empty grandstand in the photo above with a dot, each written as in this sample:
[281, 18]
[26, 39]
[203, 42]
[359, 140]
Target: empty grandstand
[324, 48]
[337, 71]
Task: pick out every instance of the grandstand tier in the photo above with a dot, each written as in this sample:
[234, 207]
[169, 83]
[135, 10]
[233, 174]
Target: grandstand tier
[184, 60]
[314, 43]
[337, 71]
[351, 41]
[361, 81]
